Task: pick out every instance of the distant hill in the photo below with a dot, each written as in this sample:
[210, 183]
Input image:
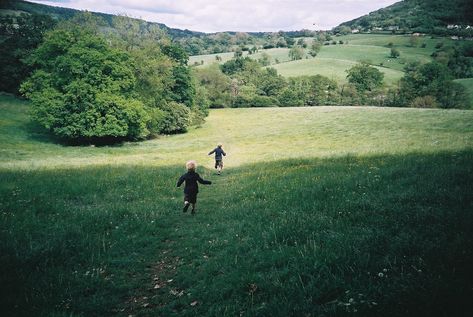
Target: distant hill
[426, 16]
[18, 7]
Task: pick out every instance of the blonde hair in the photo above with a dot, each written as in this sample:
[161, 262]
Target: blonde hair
[191, 165]
[219, 144]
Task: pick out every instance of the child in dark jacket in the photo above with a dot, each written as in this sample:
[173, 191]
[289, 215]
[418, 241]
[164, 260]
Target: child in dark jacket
[218, 157]
[191, 188]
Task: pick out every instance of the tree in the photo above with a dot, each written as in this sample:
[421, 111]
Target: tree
[414, 41]
[83, 90]
[216, 84]
[314, 48]
[21, 35]
[395, 52]
[431, 79]
[265, 59]
[365, 77]
[296, 53]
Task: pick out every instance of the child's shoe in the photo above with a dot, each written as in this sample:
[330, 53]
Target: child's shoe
[186, 206]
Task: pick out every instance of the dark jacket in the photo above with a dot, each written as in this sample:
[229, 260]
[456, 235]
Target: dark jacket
[218, 153]
[191, 178]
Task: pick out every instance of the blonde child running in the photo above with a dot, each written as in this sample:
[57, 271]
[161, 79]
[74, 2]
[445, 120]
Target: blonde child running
[191, 188]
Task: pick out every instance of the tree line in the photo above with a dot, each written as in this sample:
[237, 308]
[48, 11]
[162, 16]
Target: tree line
[242, 82]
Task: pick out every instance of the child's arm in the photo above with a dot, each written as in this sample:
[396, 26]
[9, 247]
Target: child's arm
[203, 181]
[180, 181]
[213, 151]
[223, 152]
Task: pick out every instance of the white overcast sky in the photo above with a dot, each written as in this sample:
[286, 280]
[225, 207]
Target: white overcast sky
[234, 15]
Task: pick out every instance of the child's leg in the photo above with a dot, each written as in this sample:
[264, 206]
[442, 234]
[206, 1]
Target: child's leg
[186, 206]
[193, 208]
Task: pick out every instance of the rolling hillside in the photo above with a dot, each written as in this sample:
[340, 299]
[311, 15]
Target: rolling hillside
[20, 6]
[427, 16]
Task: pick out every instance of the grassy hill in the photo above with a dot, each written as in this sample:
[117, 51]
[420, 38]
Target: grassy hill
[15, 7]
[320, 211]
[429, 16]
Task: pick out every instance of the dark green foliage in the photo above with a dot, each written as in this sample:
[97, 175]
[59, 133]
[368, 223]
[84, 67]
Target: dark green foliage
[426, 16]
[269, 83]
[217, 86]
[309, 91]
[19, 37]
[432, 79]
[395, 52]
[183, 90]
[177, 118]
[82, 89]
[235, 65]
[365, 77]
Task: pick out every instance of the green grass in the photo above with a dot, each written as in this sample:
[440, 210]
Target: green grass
[468, 84]
[321, 211]
[375, 55]
[281, 54]
[333, 60]
[332, 68]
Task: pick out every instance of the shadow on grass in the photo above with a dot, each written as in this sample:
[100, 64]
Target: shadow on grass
[384, 235]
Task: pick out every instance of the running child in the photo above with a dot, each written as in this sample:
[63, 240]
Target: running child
[218, 157]
[191, 187]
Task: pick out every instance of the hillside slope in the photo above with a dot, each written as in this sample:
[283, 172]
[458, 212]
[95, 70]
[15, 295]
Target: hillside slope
[429, 16]
[12, 6]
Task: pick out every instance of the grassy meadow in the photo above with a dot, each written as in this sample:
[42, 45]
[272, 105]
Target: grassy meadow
[333, 60]
[323, 211]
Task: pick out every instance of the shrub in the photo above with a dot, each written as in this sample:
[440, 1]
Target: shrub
[424, 102]
[177, 118]
[82, 89]
[395, 53]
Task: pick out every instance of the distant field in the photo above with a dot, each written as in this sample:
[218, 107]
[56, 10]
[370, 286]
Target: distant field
[333, 60]
[375, 55]
[398, 40]
[281, 54]
[322, 211]
[330, 67]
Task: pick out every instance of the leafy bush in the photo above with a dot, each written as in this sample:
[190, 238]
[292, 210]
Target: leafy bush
[395, 52]
[365, 77]
[424, 102]
[431, 79]
[177, 118]
[82, 88]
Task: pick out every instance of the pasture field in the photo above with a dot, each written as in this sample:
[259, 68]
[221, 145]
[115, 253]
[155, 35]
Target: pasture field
[281, 54]
[333, 60]
[323, 211]
[375, 55]
[332, 68]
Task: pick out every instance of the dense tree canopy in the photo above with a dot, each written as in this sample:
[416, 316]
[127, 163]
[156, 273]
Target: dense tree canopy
[81, 88]
[21, 35]
[365, 77]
